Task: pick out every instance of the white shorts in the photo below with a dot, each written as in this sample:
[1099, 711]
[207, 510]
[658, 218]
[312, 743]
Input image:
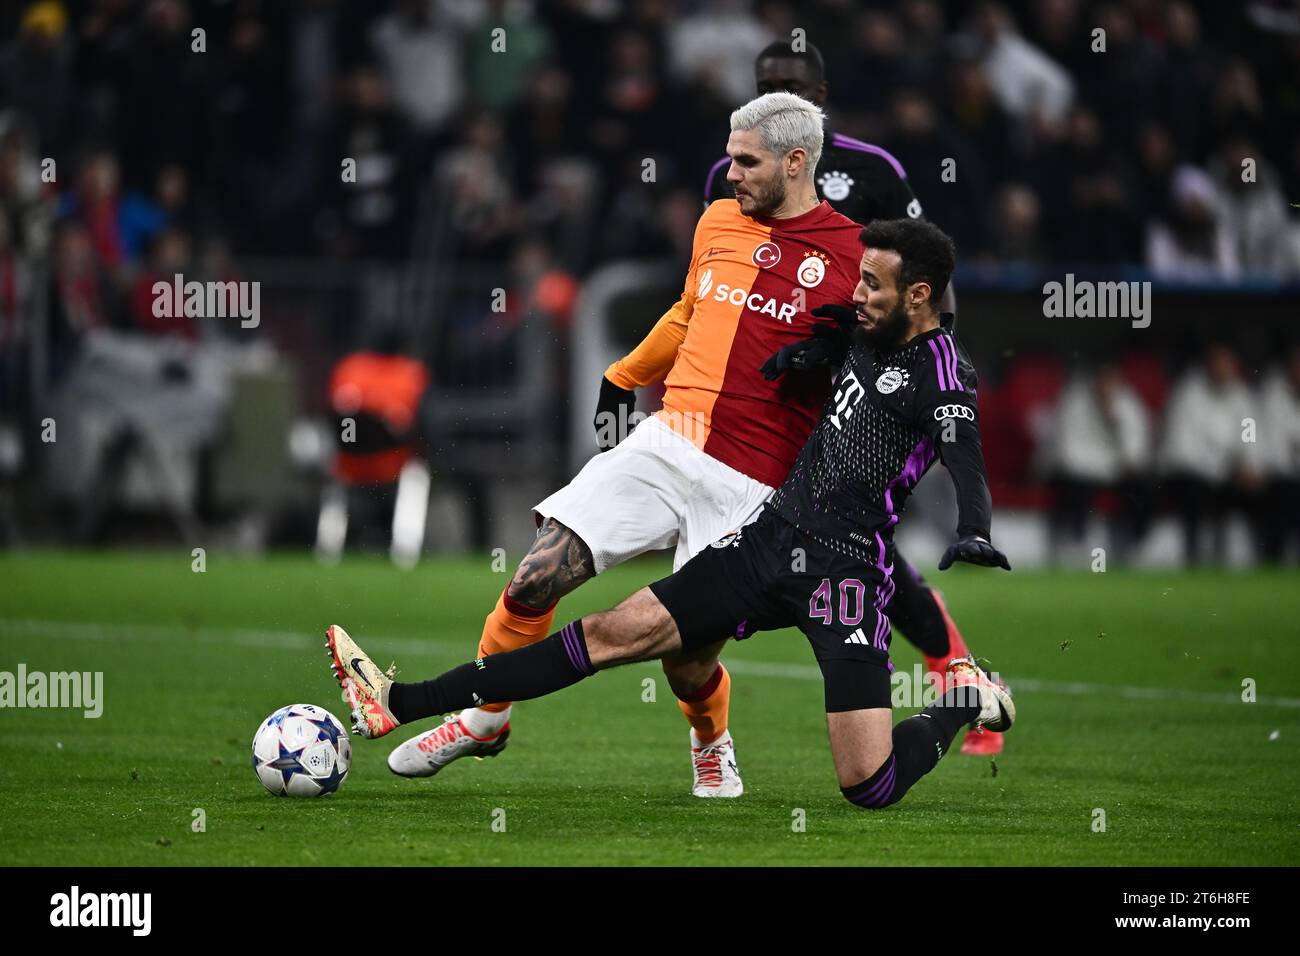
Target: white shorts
[653, 490]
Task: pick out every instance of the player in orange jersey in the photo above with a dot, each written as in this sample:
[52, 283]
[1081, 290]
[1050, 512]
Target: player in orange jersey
[866, 183]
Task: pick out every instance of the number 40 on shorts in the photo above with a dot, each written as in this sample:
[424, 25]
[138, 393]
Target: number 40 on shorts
[852, 602]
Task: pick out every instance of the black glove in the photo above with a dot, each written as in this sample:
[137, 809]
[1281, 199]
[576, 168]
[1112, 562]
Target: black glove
[828, 346]
[973, 549]
[614, 411]
[846, 317]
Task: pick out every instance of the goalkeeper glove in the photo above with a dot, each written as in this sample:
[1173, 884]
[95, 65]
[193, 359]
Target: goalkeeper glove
[614, 410]
[973, 549]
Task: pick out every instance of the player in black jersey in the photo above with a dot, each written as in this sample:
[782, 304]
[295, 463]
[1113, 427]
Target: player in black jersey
[819, 557]
[862, 181]
[865, 183]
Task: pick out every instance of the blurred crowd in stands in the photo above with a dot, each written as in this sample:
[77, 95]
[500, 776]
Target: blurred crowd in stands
[1063, 152]
[1169, 142]
[1118, 440]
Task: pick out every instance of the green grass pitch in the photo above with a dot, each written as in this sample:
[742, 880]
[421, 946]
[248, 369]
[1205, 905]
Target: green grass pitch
[1129, 695]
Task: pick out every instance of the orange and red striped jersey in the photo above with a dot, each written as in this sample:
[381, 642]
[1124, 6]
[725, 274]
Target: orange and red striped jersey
[751, 287]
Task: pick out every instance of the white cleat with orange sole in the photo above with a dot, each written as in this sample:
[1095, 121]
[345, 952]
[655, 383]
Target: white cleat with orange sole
[425, 755]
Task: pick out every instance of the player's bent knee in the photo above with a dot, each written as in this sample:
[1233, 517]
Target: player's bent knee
[639, 629]
[877, 804]
[881, 789]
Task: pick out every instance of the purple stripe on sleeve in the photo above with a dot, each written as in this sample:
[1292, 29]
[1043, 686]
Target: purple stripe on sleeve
[950, 350]
[708, 180]
[848, 142]
[939, 365]
[913, 468]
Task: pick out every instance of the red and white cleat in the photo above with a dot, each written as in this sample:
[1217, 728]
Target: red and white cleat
[426, 754]
[956, 645]
[997, 710]
[980, 742]
[714, 768]
[364, 685]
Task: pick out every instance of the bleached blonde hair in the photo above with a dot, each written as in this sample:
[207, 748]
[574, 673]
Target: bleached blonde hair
[784, 122]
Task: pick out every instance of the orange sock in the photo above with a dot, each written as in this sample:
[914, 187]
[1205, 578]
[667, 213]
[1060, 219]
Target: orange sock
[510, 626]
[706, 709]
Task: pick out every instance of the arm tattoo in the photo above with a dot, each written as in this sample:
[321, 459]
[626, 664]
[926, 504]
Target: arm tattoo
[557, 563]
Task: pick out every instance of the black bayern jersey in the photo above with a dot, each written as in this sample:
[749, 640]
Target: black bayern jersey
[893, 414]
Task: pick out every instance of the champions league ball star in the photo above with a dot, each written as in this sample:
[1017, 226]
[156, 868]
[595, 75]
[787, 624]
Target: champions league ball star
[301, 751]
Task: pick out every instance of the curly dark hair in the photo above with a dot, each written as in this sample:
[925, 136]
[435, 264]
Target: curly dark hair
[927, 253]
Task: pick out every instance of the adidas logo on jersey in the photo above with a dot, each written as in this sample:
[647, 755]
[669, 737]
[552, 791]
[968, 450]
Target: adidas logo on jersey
[857, 637]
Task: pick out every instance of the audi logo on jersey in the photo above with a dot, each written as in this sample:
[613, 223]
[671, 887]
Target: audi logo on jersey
[953, 411]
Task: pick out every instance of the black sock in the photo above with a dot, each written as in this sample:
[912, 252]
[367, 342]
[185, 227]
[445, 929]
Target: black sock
[919, 743]
[913, 610]
[534, 671]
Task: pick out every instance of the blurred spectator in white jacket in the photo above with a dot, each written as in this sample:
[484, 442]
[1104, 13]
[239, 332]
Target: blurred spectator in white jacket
[1100, 441]
[1280, 455]
[1255, 218]
[1028, 83]
[1191, 242]
[1210, 456]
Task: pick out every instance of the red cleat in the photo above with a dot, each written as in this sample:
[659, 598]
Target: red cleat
[982, 743]
[956, 646]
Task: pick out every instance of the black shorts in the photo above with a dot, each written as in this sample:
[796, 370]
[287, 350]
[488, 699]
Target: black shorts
[771, 575]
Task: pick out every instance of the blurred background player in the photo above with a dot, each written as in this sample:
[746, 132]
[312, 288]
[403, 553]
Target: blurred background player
[865, 183]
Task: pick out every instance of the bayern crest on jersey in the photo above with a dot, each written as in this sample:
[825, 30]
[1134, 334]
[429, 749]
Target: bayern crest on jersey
[835, 185]
[891, 380]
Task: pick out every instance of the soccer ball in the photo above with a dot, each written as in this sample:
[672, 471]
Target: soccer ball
[301, 751]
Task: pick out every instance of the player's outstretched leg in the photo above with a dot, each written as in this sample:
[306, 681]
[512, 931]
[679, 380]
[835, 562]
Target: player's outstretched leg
[364, 685]
[556, 564]
[917, 744]
[703, 689]
[921, 616]
[639, 629]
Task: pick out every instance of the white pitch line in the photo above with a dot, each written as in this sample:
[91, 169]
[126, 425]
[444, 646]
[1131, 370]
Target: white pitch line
[435, 647]
[1034, 686]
